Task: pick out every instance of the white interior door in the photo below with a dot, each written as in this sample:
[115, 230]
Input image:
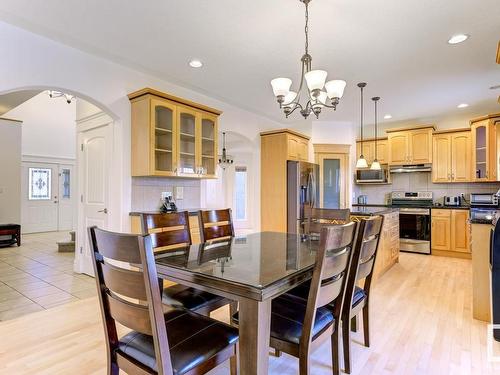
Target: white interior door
[66, 197]
[94, 159]
[39, 202]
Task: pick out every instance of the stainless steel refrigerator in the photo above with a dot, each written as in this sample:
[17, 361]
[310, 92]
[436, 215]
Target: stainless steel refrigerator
[302, 192]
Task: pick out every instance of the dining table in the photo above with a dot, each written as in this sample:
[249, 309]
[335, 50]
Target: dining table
[251, 269]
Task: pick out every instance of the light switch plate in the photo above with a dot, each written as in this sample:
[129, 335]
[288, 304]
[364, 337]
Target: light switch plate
[179, 192]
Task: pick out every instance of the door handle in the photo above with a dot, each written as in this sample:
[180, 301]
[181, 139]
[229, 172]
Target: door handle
[104, 211]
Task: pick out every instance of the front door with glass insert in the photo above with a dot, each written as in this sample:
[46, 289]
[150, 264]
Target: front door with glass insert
[40, 194]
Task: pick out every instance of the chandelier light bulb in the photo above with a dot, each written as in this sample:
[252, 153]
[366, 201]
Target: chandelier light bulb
[281, 86]
[335, 88]
[289, 98]
[315, 79]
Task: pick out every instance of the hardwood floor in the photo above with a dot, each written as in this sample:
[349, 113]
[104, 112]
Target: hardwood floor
[421, 324]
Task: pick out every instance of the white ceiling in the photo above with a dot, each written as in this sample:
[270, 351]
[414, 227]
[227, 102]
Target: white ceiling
[398, 47]
[13, 99]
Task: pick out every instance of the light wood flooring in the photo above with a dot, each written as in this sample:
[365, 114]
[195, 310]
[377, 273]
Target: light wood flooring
[34, 276]
[421, 324]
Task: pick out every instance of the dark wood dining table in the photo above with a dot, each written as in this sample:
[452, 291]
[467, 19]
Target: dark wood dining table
[252, 270]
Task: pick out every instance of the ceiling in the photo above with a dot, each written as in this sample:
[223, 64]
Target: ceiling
[399, 47]
[13, 99]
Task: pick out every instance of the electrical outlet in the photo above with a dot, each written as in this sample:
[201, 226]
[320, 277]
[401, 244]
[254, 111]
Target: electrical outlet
[179, 192]
[166, 194]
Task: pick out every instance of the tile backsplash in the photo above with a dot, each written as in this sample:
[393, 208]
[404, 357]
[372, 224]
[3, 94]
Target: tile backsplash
[146, 192]
[379, 194]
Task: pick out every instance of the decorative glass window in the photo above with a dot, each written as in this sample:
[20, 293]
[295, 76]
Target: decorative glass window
[66, 187]
[39, 183]
[240, 182]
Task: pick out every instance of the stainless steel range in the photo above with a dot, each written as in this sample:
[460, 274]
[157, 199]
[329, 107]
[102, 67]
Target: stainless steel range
[414, 220]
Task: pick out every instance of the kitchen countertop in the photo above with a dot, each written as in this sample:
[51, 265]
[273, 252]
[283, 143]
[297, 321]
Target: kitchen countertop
[461, 207]
[191, 211]
[371, 210]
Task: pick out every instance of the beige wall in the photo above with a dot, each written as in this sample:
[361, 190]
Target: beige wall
[10, 171]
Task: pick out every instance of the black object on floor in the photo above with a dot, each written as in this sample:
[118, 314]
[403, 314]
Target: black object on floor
[11, 230]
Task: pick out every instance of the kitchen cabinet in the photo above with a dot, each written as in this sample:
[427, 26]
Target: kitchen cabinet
[450, 232]
[484, 148]
[172, 136]
[277, 147]
[369, 150]
[451, 156]
[410, 146]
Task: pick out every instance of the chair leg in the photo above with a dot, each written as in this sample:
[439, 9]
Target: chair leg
[233, 361]
[277, 353]
[335, 352]
[346, 342]
[354, 324]
[304, 364]
[366, 325]
[113, 368]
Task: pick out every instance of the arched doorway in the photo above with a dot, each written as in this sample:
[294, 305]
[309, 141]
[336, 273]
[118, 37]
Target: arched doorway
[93, 175]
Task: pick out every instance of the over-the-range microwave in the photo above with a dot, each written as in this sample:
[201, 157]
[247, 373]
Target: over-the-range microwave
[371, 176]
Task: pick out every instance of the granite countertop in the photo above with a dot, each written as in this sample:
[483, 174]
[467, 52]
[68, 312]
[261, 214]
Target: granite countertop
[436, 205]
[191, 211]
[371, 210]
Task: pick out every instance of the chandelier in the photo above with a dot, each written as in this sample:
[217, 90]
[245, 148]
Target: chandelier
[225, 160]
[318, 93]
[58, 94]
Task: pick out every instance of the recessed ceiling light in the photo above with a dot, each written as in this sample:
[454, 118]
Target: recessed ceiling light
[462, 105]
[388, 117]
[459, 38]
[195, 63]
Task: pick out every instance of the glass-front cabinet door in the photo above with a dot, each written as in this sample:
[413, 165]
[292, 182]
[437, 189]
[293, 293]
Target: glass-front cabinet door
[480, 151]
[163, 141]
[208, 145]
[187, 138]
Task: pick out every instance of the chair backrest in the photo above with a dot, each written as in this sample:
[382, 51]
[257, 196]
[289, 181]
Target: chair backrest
[170, 230]
[330, 273]
[364, 256]
[316, 218]
[129, 296]
[215, 224]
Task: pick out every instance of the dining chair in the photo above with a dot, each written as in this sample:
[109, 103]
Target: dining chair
[361, 272]
[300, 326]
[170, 232]
[215, 224]
[174, 342]
[316, 218]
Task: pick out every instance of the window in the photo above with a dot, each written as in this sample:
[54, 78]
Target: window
[240, 189]
[66, 187]
[40, 180]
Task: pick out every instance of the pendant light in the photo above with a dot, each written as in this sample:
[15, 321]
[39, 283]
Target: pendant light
[225, 160]
[361, 163]
[375, 165]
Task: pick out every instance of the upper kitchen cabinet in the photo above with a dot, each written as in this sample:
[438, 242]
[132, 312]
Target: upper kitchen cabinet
[410, 146]
[172, 136]
[276, 147]
[484, 148]
[451, 156]
[369, 150]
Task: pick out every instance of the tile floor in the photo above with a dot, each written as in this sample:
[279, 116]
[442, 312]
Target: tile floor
[35, 276]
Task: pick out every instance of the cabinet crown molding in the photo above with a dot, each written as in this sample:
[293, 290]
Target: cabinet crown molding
[289, 131]
[455, 130]
[485, 117]
[409, 128]
[149, 91]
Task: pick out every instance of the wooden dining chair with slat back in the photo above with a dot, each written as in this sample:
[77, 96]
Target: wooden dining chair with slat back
[176, 342]
[298, 326]
[357, 298]
[169, 232]
[215, 224]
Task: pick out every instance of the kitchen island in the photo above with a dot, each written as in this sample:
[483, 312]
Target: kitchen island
[388, 248]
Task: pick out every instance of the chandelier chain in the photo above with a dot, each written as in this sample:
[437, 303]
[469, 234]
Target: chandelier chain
[306, 28]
